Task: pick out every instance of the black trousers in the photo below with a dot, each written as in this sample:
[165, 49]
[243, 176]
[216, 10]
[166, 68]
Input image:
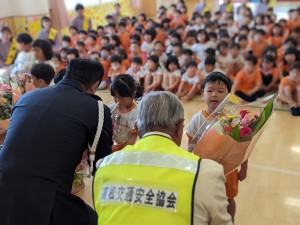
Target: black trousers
[250, 98]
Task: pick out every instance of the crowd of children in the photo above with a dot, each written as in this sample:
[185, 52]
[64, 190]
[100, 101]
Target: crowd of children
[173, 53]
[208, 54]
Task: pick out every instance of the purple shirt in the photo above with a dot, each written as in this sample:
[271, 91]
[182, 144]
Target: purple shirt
[78, 22]
[223, 7]
[116, 16]
[44, 35]
[261, 8]
[199, 8]
[4, 49]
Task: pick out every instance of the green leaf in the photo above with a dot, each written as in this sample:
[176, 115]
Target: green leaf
[235, 133]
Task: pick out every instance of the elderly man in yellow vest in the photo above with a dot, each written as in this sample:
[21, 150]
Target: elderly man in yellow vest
[155, 182]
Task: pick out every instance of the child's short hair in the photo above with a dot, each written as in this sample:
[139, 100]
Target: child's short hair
[125, 86]
[210, 61]
[79, 7]
[122, 53]
[176, 35]
[191, 63]
[251, 58]
[24, 38]
[95, 53]
[59, 76]
[243, 38]
[115, 58]
[290, 40]
[5, 29]
[150, 33]
[73, 51]
[57, 55]
[210, 51]
[105, 48]
[82, 32]
[191, 33]
[234, 45]
[94, 37]
[187, 52]
[73, 28]
[217, 77]
[260, 31]
[66, 38]
[177, 44]
[269, 59]
[222, 44]
[172, 59]
[80, 43]
[154, 58]
[201, 31]
[105, 38]
[296, 66]
[122, 24]
[137, 60]
[136, 38]
[213, 35]
[43, 71]
[116, 39]
[244, 27]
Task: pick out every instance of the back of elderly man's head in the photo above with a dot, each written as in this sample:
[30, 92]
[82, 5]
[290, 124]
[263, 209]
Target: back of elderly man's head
[159, 110]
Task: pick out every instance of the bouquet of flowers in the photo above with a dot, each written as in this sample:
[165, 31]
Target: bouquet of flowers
[232, 132]
[5, 105]
[21, 83]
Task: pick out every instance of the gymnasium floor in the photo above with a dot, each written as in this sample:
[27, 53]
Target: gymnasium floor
[270, 195]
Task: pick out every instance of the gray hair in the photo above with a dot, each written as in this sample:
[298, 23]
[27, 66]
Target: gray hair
[159, 109]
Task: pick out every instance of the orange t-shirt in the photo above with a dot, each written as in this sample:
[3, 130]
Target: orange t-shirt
[276, 41]
[175, 24]
[125, 40]
[106, 65]
[245, 82]
[161, 37]
[257, 48]
[287, 82]
[126, 64]
[111, 72]
[74, 39]
[185, 17]
[293, 24]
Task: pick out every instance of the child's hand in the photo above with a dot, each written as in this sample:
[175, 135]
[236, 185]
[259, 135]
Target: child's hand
[242, 175]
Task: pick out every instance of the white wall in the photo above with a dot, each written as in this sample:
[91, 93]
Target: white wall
[23, 7]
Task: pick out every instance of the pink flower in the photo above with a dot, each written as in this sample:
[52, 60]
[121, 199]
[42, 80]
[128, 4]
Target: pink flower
[245, 132]
[228, 128]
[5, 87]
[243, 113]
[246, 121]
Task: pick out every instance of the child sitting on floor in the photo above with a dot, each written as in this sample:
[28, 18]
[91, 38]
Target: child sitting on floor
[289, 89]
[154, 75]
[215, 88]
[115, 68]
[248, 82]
[189, 82]
[172, 77]
[136, 70]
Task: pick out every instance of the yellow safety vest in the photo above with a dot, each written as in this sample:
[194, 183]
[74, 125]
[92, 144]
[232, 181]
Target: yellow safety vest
[12, 52]
[206, 9]
[149, 183]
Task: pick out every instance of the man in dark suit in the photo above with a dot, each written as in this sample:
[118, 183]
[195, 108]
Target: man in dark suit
[49, 130]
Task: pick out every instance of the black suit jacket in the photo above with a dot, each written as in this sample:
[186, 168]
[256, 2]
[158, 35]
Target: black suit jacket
[49, 130]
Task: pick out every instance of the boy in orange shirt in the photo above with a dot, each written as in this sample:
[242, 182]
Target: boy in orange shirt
[124, 36]
[248, 82]
[258, 44]
[74, 35]
[92, 45]
[115, 68]
[177, 20]
[289, 89]
[216, 87]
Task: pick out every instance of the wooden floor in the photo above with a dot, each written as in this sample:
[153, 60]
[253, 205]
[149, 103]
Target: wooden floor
[271, 193]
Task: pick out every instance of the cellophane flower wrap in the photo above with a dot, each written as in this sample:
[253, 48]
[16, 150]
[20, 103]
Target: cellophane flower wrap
[5, 104]
[232, 131]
